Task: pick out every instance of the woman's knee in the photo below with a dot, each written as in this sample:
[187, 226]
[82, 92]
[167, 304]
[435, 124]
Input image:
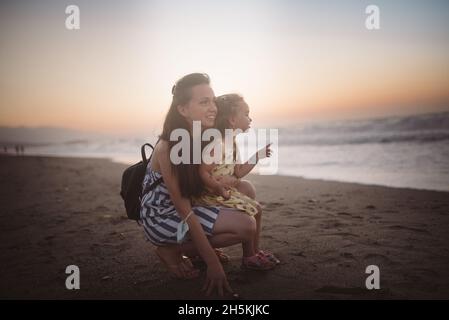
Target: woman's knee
[247, 188]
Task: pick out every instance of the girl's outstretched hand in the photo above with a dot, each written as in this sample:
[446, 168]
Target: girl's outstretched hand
[216, 279]
[264, 152]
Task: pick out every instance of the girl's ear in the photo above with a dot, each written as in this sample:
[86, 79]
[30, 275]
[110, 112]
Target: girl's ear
[232, 121]
[182, 109]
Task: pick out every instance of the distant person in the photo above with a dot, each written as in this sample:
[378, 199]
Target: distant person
[5, 148]
[22, 149]
[17, 149]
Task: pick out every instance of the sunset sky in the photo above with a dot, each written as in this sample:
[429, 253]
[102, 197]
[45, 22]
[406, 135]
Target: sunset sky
[292, 60]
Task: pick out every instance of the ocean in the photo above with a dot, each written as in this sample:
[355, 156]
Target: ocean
[407, 151]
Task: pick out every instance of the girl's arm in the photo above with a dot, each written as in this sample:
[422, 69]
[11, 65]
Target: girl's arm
[241, 170]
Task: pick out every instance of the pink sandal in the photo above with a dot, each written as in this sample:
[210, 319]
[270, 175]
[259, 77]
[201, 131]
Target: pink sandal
[270, 256]
[257, 262]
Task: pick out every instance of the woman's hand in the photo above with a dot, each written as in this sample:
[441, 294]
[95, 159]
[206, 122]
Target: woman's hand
[216, 279]
[228, 181]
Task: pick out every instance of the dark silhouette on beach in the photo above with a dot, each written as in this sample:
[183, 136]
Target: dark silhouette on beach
[20, 149]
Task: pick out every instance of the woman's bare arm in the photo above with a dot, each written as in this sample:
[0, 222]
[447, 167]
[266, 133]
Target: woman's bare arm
[183, 206]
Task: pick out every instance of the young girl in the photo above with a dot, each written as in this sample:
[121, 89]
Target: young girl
[233, 113]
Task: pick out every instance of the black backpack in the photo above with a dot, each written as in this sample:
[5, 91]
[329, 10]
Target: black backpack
[132, 179]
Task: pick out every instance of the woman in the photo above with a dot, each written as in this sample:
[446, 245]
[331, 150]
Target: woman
[166, 211]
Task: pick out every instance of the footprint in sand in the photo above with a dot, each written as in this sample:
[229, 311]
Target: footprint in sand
[399, 227]
[118, 220]
[273, 205]
[391, 211]
[102, 208]
[376, 258]
[343, 234]
[330, 260]
[333, 224]
[349, 214]
[298, 254]
[348, 255]
[288, 212]
[79, 212]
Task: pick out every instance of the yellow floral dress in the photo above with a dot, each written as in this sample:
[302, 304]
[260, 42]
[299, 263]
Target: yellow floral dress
[237, 200]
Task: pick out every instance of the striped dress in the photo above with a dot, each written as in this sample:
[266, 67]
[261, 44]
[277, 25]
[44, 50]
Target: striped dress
[159, 217]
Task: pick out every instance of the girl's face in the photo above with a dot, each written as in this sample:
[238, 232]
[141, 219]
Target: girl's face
[201, 106]
[241, 119]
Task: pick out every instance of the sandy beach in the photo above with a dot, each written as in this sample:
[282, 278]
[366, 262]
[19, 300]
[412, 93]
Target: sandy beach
[56, 212]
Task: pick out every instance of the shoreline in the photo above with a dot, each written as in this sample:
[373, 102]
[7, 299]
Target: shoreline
[60, 211]
[126, 164]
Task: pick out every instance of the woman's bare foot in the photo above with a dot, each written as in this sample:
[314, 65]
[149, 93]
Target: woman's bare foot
[223, 257]
[178, 265]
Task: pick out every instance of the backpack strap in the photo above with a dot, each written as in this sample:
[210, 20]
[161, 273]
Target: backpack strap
[145, 161]
[144, 157]
[153, 185]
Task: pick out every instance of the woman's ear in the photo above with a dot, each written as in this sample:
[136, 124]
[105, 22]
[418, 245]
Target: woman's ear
[182, 109]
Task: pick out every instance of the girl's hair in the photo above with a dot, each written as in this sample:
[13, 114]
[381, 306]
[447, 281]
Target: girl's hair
[190, 183]
[227, 106]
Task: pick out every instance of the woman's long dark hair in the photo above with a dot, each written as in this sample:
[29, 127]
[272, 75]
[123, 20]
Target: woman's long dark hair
[190, 183]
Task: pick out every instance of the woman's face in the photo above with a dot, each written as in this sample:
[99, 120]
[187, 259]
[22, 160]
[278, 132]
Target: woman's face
[241, 119]
[201, 106]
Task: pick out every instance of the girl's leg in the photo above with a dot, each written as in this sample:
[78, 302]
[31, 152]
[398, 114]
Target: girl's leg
[232, 227]
[247, 188]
